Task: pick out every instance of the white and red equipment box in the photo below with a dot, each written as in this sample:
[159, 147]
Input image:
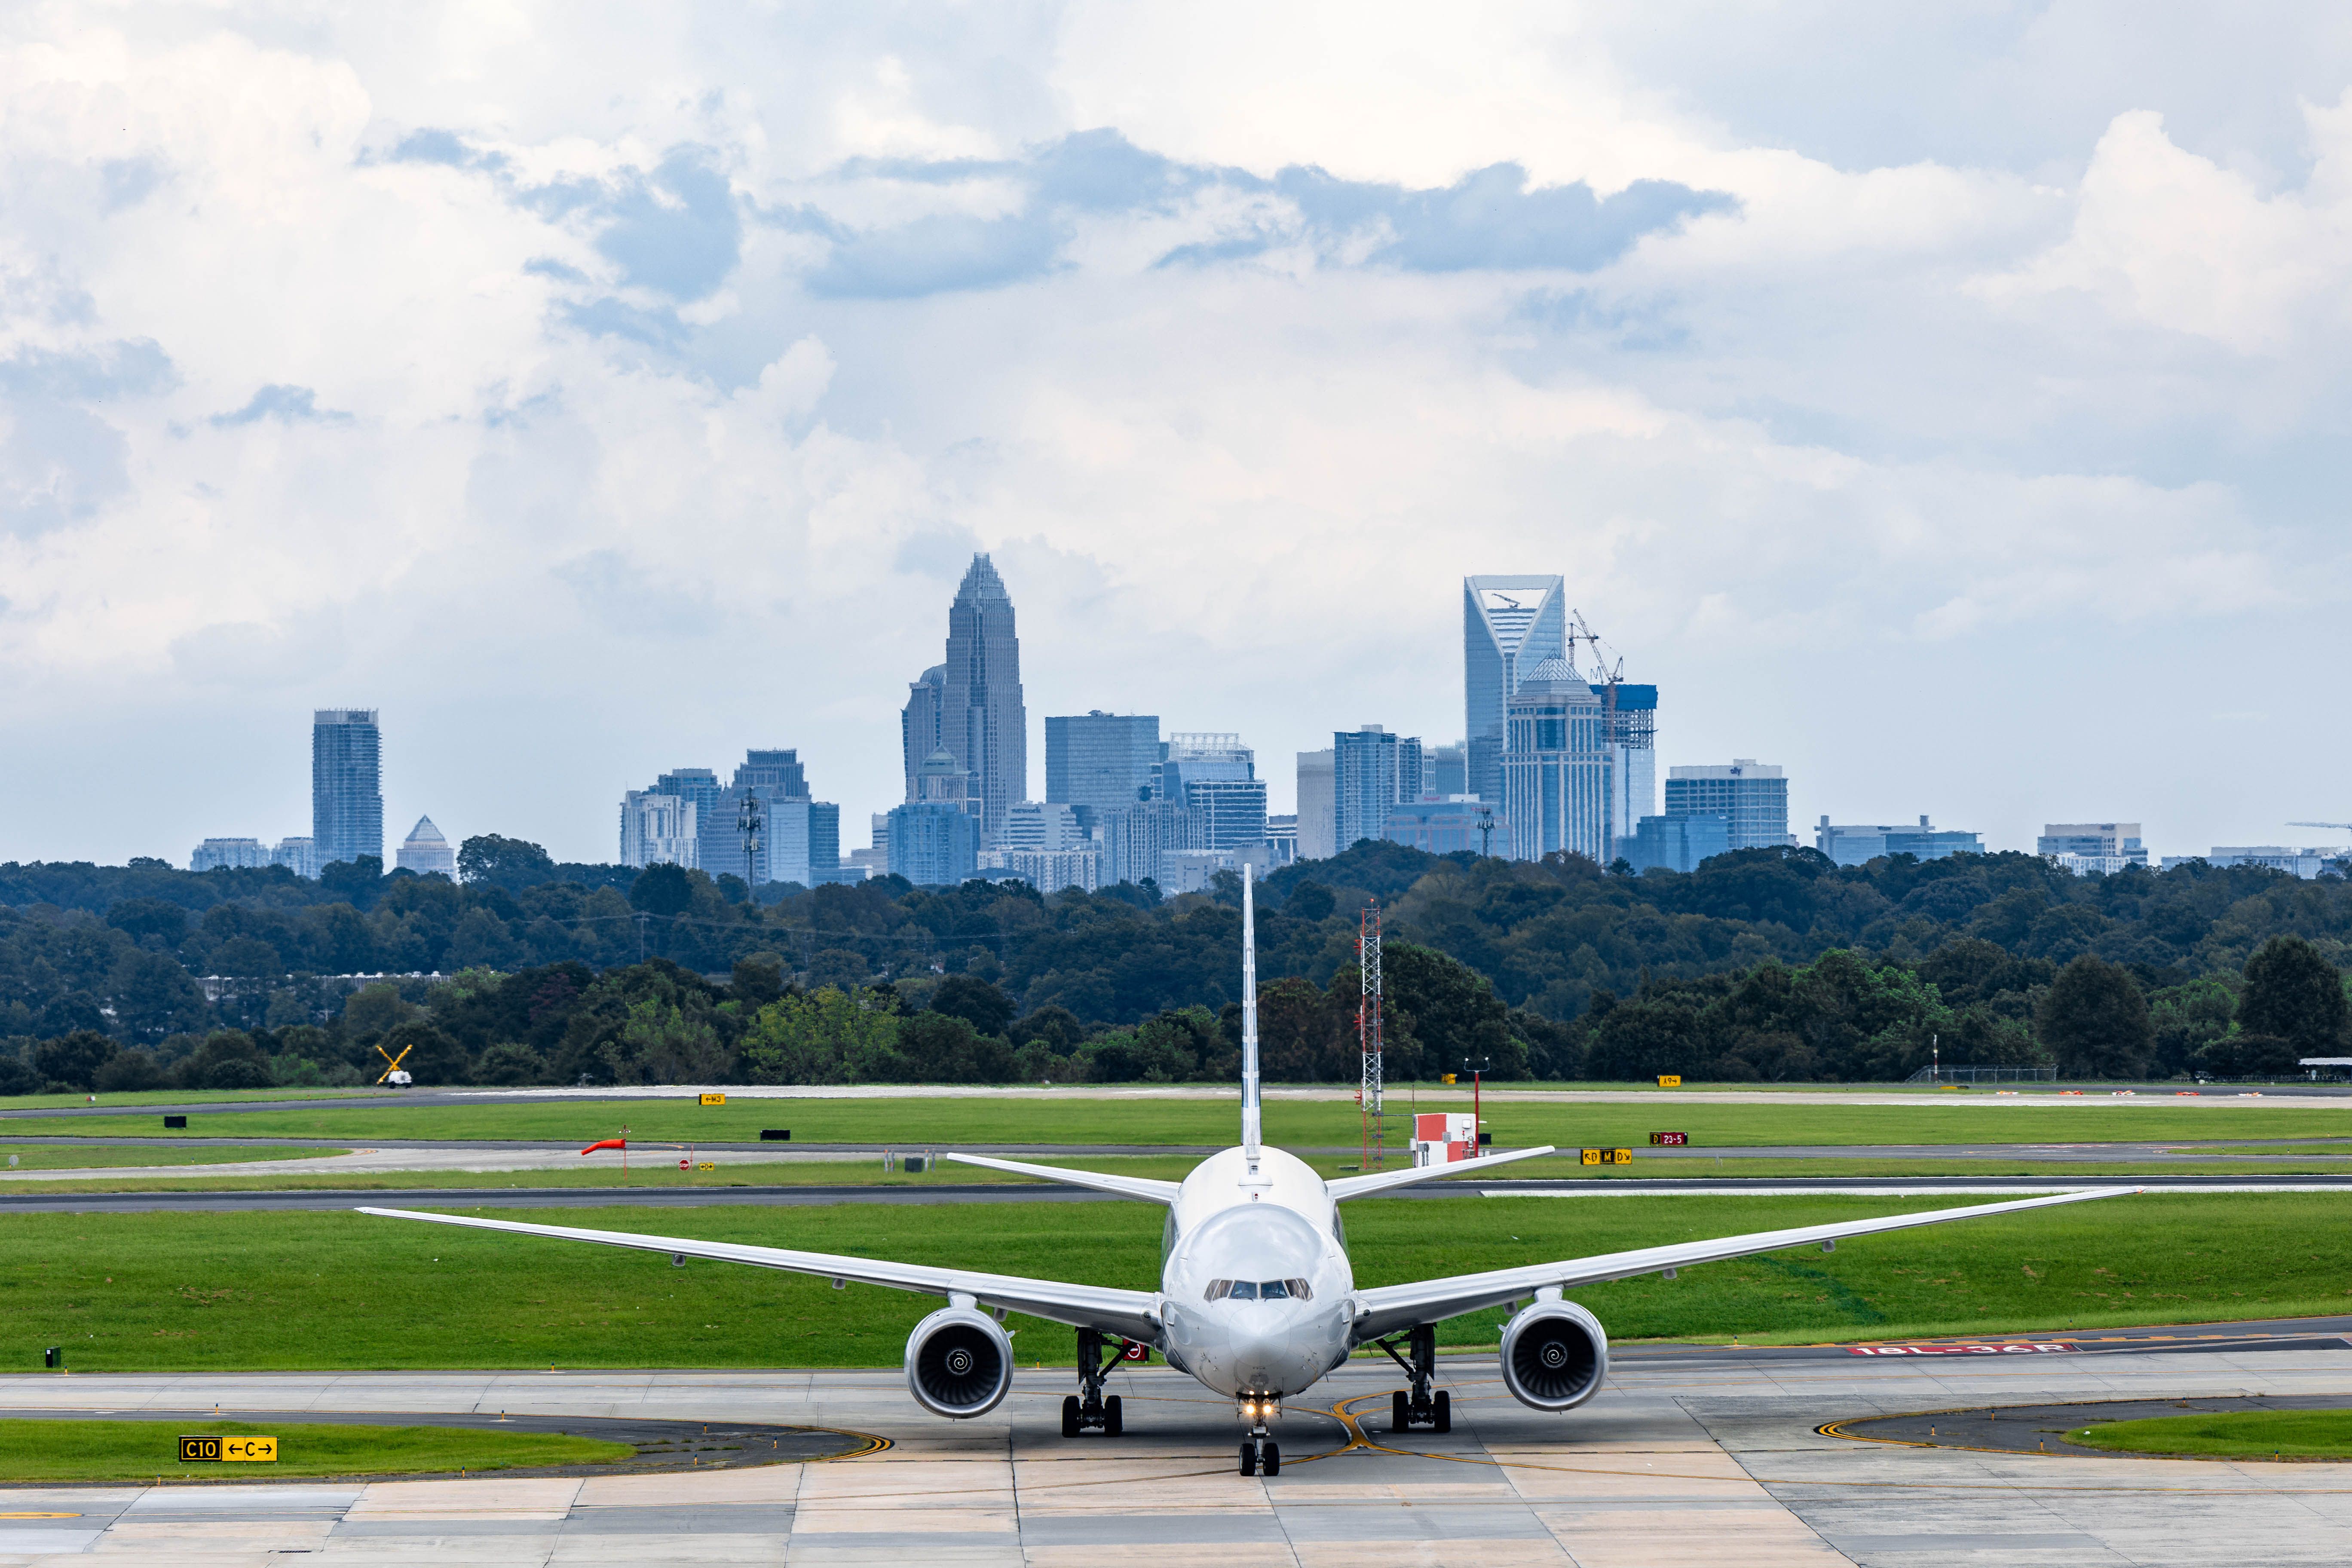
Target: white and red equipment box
[1442, 1137]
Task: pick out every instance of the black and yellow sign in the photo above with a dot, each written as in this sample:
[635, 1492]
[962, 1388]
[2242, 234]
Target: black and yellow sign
[1670, 1081]
[1445, 1078]
[1671, 1140]
[714, 1099]
[705, 1164]
[216, 1450]
[1607, 1156]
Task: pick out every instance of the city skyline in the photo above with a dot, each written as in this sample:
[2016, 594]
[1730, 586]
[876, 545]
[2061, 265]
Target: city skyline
[581, 420]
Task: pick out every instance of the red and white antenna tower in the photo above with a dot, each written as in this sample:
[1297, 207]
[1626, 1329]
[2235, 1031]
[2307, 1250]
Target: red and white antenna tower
[1368, 1033]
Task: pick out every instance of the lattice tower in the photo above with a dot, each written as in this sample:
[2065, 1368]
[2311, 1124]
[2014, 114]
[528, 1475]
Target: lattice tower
[1369, 1098]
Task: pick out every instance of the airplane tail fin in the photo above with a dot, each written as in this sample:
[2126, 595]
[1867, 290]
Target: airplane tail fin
[1251, 1131]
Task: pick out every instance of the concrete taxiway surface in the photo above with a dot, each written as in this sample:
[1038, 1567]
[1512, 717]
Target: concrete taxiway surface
[520, 1197]
[1696, 1459]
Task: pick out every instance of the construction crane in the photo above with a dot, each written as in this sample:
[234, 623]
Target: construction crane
[2345, 826]
[1607, 676]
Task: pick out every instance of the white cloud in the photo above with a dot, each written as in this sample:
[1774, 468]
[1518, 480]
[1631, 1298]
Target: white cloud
[564, 453]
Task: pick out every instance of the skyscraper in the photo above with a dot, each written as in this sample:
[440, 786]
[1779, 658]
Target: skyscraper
[346, 784]
[919, 732]
[1318, 825]
[1371, 770]
[659, 828]
[1752, 798]
[1633, 757]
[983, 723]
[799, 838]
[1555, 766]
[1097, 762]
[934, 842]
[1508, 624]
[1216, 776]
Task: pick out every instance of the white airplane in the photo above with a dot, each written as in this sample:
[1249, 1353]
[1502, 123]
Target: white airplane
[1256, 1297]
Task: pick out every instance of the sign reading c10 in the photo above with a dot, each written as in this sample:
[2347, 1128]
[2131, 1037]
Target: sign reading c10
[209, 1449]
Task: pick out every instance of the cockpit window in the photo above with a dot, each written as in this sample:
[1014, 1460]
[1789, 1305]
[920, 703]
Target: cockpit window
[1258, 1290]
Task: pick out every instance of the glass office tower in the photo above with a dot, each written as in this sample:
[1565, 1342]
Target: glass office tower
[1508, 624]
[1098, 762]
[346, 784]
[1555, 766]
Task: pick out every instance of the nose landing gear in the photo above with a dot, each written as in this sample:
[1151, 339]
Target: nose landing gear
[1095, 1410]
[1422, 1404]
[1261, 1455]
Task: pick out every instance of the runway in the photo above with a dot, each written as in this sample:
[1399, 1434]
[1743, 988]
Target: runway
[1689, 1461]
[799, 1195]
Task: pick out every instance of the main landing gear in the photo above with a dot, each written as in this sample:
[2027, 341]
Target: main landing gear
[1095, 1410]
[1421, 1405]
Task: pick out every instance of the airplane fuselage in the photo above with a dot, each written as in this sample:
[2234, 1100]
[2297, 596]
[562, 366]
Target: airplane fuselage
[1256, 1291]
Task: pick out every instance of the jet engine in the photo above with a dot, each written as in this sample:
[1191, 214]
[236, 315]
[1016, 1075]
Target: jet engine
[1554, 1355]
[959, 1362]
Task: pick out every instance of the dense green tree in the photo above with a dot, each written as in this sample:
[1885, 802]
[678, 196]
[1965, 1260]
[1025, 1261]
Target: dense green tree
[513, 864]
[827, 1036]
[2096, 1022]
[983, 1006]
[2294, 994]
[74, 1059]
[662, 889]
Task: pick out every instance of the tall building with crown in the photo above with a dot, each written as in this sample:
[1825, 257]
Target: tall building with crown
[970, 706]
[1509, 625]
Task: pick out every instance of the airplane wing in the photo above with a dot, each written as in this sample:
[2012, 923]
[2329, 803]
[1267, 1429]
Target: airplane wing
[1130, 1314]
[1124, 1186]
[1387, 1309]
[1346, 1187]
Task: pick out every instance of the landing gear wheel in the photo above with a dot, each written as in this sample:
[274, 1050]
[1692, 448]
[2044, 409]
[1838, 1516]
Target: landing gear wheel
[1271, 1462]
[1444, 1411]
[1249, 1459]
[1070, 1416]
[1114, 1416]
[1400, 1413]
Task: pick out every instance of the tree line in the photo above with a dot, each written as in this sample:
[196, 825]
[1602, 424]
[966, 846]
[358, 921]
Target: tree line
[1767, 966]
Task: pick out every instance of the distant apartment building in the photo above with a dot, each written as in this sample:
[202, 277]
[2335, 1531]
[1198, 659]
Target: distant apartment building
[299, 855]
[1509, 625]
[1098, 762]
[426, 852]
[1443, 825]
[346, 784]
[1676, 842]
[1859, 844]
[229, 854]
[1282, 839]
[1752, 797]
[2306, 862]
[1555, 766]
[1318, 827]
[1445, 771]
[2092, 849]
[1371, 770]
[1040, 825]
[934, 842]
[659, 829]
[1134, 839]
[1048, 870]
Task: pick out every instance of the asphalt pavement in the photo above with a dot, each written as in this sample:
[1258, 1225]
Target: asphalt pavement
[1011, 1192]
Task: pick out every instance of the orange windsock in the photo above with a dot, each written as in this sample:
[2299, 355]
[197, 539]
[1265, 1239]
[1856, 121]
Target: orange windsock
[607, 1143]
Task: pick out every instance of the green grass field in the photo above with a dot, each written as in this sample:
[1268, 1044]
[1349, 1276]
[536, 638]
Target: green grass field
[39, 1451]
[947, 1121]
[2237, 1434]
[238, 1291]
[742, 1171]
[88, 1156]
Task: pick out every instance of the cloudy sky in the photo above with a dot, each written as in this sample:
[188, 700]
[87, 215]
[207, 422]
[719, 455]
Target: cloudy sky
[1948, 403]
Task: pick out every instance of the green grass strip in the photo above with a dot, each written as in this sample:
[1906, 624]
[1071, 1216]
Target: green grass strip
[2237, 1434]
[36, 1450]
[237, 1292]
